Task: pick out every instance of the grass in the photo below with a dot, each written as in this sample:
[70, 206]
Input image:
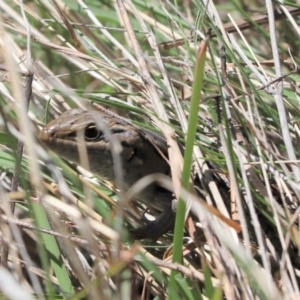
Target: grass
[236, 116]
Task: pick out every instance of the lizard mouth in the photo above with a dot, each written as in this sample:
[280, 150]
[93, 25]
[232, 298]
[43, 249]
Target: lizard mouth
[47, 135]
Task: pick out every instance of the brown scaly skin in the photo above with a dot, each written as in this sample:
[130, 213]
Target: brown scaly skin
[141, 155]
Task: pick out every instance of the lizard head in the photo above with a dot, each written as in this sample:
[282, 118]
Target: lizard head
[97, 132]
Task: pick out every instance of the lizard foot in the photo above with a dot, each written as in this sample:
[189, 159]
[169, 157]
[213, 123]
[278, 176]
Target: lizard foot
[155, 229]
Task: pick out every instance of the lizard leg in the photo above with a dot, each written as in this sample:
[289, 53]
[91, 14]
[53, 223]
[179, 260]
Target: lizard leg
[162, 224]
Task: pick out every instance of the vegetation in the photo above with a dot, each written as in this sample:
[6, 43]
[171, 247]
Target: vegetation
[221, 76]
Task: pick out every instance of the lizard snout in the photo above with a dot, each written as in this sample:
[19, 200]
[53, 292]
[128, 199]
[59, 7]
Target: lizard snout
[45, 134]
[48, 132]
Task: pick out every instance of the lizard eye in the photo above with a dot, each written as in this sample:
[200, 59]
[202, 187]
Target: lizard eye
[91, 133]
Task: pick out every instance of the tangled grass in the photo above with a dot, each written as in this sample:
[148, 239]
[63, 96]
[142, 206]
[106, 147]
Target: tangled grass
[221, 77]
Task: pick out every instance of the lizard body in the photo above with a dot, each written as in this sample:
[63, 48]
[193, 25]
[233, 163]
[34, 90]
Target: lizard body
[143, 152]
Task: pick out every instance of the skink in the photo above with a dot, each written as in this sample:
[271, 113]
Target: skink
[143, 152]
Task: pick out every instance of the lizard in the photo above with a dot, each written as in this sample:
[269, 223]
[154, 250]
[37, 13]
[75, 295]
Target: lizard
[143, 152]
